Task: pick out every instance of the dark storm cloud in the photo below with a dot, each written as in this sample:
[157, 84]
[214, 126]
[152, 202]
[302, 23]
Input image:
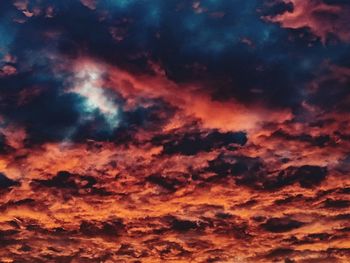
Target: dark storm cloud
[7, 237]
[4, 147]
[240, 167]
[320, 140]
[332, 89]
[307, 176]
[6, 182]
[280, 253]
[169, 181]
[165, 248]
[37, 100]
[63, 180]
[345, 190]
[313, 238]
[47, 116]
[150, 118]
[290, 199]
[73, 183]
[195, 142]
[184, 225]
[225, 45]
[153, 30]
[253, 172]
[279, 225]
[336, 204]
[16, 204]
[111, 228]
[35, 96]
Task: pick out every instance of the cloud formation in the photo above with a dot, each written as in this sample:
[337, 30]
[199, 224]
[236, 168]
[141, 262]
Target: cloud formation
[174, 131]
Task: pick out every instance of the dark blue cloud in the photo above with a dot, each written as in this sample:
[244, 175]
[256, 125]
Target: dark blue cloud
[226, 46]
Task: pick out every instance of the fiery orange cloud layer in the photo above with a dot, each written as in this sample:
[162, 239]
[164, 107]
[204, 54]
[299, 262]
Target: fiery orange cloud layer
[100, 201]
[174, 131]
[131, 217]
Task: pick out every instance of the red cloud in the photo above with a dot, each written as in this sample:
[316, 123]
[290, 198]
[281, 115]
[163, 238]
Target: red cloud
[229, 115]
[322, 19]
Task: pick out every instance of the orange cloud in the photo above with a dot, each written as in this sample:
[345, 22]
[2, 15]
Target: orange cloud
[227, 115]
[321, 18]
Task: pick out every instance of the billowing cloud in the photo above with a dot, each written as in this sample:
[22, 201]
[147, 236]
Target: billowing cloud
[325, 19]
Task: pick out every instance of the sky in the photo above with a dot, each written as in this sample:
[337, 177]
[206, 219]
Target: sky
[173, 131]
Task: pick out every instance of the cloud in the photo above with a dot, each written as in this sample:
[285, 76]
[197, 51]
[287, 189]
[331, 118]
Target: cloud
[307, 176]
[109, 229]
[74, 183]
[184, 225]
[171, 182]
[336, 204]
[89, 86]
[278, 225]
[193, 143]
[174, 130]
[323, 18]
[6, 182]
[320, 140]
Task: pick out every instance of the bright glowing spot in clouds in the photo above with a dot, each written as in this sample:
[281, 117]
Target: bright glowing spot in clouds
[89, 86]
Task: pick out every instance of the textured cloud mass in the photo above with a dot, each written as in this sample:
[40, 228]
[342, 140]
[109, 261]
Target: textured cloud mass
[325, 19]
[174, 131]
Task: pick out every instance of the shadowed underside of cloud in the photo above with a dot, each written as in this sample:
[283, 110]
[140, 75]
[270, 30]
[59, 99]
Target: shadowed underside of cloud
[281, 225]
[6, 182]
[174, 131]
[254, 173]
[193, 143]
